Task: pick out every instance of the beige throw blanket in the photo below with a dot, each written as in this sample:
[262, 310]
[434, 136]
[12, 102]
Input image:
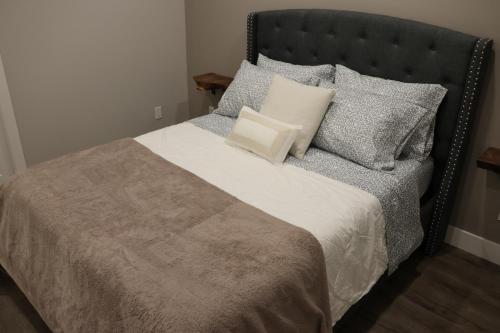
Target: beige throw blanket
[116, 239]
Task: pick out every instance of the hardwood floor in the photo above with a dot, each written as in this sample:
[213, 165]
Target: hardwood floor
[451, 292]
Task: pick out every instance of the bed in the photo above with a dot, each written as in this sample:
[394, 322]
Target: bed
[177, 231]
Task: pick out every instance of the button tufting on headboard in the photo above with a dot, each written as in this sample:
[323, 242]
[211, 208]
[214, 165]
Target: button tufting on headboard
[396, 49]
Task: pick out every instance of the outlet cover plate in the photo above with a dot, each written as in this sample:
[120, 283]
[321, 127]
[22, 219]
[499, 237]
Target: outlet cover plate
[158, 112]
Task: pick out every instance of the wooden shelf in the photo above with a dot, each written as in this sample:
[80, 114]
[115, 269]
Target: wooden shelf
[212, 82]
[490, 160]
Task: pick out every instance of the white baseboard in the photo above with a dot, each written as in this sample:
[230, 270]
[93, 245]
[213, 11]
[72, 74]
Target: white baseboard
[473, 244]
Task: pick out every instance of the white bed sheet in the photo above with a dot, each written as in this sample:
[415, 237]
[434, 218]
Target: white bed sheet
[348, 222]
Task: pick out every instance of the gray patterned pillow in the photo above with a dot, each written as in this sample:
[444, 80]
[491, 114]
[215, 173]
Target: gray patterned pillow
[428, 96]
[249, 88]
[324, 72]
[367, 128]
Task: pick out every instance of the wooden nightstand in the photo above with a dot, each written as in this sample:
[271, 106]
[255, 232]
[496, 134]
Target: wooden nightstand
[212, 82]
[490, 160]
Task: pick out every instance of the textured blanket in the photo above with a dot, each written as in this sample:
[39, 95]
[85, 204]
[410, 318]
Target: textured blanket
[116, 239]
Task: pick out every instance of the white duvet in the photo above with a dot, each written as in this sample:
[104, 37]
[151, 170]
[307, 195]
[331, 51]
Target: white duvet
[348, 222]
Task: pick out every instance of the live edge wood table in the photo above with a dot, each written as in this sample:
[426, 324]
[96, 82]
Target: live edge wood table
[212, 82]
[490, 160]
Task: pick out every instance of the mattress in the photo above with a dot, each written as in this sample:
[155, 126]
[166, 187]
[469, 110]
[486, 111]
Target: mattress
[347, 221]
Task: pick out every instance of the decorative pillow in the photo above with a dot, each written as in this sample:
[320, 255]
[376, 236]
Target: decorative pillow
[250, 87]
[324, 72]
[262, 135]
[428, 96]
[298, 104]
[367, 128]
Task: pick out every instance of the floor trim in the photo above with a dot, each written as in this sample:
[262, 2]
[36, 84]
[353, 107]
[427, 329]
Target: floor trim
[474, 244]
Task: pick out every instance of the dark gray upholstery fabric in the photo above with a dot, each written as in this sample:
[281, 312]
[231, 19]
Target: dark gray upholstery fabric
[378, 46]
[390, 48]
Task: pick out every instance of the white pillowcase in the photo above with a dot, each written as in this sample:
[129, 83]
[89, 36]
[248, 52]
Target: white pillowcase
[295, 103]
[264, 136]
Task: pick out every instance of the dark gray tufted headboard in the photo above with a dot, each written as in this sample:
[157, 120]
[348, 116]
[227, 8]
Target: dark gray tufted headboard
[396, 49]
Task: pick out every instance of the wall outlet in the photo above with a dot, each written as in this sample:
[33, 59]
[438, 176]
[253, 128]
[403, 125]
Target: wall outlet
[158, 112]
[498, 217]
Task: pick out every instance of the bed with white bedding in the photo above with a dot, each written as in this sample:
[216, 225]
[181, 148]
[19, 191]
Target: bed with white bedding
[336, 200]
[97, 221]
[348, 222]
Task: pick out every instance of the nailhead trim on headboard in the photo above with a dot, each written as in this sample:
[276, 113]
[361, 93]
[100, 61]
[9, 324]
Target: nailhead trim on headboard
[438, 227]
[250, 38]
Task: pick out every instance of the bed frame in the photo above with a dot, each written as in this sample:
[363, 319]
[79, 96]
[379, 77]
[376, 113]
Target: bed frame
[395, 49]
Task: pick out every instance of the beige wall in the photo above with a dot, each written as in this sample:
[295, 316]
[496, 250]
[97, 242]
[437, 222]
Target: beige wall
[84, 72]
[216, 37]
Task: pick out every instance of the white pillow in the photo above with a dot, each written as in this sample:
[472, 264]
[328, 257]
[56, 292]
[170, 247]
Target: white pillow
[299, 104]
[264, 136]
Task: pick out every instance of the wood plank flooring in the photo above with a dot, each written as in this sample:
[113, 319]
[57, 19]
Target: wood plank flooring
[451, 292]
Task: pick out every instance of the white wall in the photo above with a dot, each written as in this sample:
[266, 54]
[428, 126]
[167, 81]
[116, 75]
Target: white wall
[85, 72]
